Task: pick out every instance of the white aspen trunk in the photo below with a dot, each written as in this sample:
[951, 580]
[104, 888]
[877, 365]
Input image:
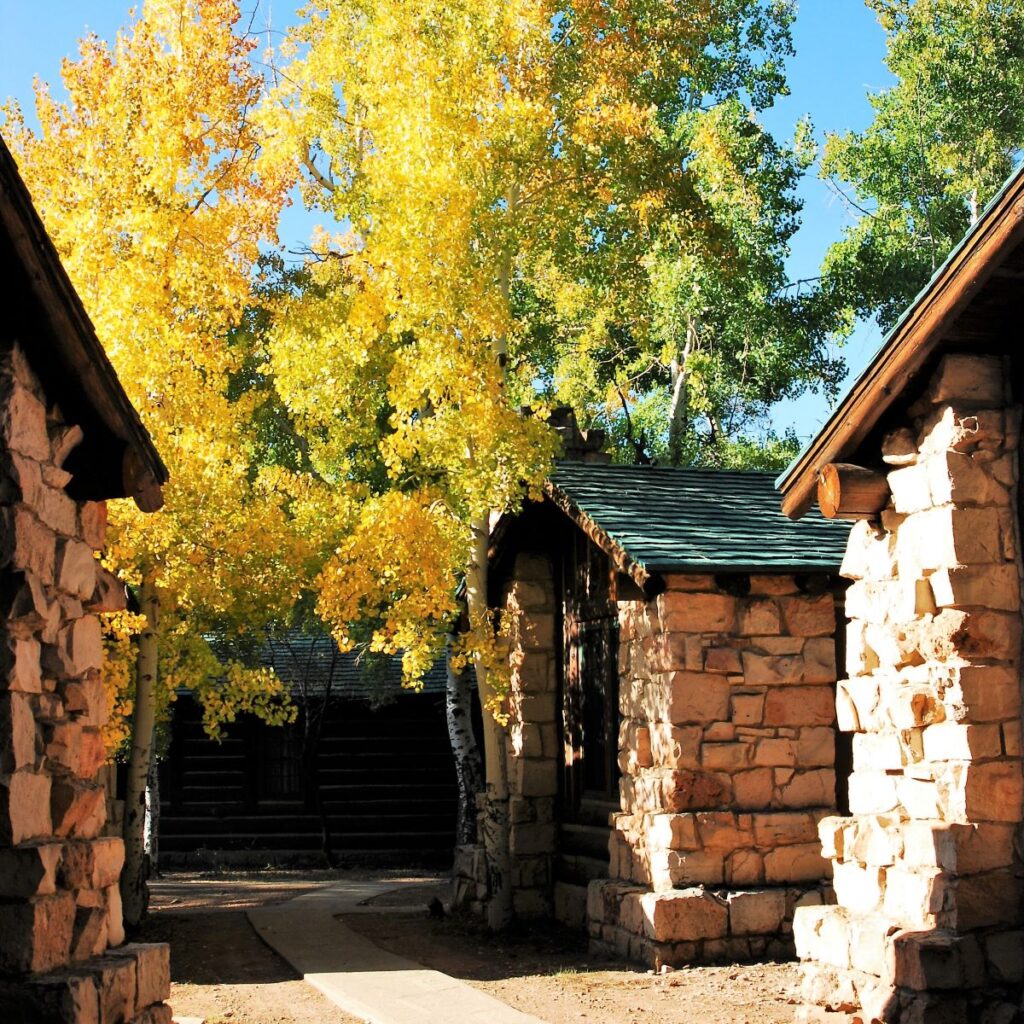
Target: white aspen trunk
[468, 773]
[151, 838]
[494, 823]
[679, 405]
[134, 894]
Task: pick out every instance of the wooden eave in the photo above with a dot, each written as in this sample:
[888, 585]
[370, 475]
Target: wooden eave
[60, 343]
[620, 558]
[907, 347]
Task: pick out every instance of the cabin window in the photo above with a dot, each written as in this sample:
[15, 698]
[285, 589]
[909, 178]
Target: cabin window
[280, 763]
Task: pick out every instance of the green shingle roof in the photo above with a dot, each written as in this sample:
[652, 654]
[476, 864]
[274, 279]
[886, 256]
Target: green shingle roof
[673, 520]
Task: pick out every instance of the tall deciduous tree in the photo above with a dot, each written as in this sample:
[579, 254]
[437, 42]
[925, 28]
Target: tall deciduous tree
[148, 180]
[511, 184]
[943, 140]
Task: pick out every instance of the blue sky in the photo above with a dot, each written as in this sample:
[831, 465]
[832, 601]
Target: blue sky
[839, 54]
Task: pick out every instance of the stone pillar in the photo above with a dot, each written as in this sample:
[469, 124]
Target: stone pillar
[927, 925]
[728, 763]
[532, 749]
[62, 958]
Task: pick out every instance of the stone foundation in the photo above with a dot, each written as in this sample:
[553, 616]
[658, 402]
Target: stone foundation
[62, 958]
[927, 925]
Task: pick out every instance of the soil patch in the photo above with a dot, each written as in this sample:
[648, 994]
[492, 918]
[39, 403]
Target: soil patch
[221, 971]
[545, 970]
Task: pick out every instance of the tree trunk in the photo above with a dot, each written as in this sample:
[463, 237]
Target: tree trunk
[494, 825]
[458, 707]
[134, 893]
[679, 404]
[152, 831]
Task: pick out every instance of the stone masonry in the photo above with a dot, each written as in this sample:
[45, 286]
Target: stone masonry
[533, 747]
[727, 756]
[927, 926]
[62, 954]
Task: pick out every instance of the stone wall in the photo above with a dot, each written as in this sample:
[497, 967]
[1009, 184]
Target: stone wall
[927, 880]
[62, 957]
[532, 748]
[727, 755]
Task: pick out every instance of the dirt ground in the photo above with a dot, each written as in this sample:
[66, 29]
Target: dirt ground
[546, 971]
[224, 974]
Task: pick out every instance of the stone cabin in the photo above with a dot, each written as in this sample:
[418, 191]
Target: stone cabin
[924, 453]
[671, 747]
[69, 439]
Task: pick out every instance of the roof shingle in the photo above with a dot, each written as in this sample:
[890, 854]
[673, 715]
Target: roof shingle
[679, 519]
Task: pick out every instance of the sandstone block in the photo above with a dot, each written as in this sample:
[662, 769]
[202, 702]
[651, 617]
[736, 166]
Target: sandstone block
[536, 777]
[747, 708]
[688, 790]
[799, 863]
[987, 901]
[969, 380]
[799, 706]
[771, 669]
[957, 478]
[675, 746]
[872, 792]
[78, 808]
[24, 674]
[759, 617]
[822, 934]
[697, 612]
[993, 791]
[772, 586]
[35, 545]
[35, 934]
[19, 742]
[76, 569]
[986, 693]
[89, 934]
[910, 487]
[115, 916]
[684, 916]
[694, 697]
[1004, 956]
[757, 913]
[858, 888]
[752, 790]
[24, 807]
[832, 833]
[744, 867]
[935, 960]
[775, 752]
[153, 970]
[820, 660]
[876, 840]
[29, 870]
[63, 997]
[816, 747]
[116, 984]
[814, 788]
[870, 951]
[729, 757]
[953, 741]
[809, 616]
[914, 897]
[23, 424]
[79, 649]
[92, 517]
[56, 509]
[92, 863]
[870, 553]
[723, 659]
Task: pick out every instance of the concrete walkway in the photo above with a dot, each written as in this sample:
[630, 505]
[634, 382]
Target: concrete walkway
[363, 979]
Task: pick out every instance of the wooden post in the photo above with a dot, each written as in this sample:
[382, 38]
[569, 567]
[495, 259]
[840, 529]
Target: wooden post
[851, 492]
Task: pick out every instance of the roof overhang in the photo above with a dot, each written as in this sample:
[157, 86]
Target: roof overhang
[117, 457]
[909, 344]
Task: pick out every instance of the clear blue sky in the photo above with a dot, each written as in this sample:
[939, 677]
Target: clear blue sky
[839, 51]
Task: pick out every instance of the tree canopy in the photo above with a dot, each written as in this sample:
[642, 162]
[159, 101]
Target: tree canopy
[943, 140]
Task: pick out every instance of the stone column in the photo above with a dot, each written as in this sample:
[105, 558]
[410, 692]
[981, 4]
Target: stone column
[62, 958]
[532, 748]
[927, 881]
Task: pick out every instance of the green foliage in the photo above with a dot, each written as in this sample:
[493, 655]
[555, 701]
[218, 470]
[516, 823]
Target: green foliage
[943, 140]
